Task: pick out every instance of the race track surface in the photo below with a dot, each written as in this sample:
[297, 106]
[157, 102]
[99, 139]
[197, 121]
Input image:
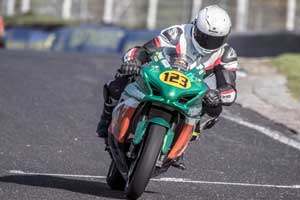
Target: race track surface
[49, 107]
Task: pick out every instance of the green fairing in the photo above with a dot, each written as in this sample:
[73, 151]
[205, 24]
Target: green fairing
[159, 121]
[139, 132]
[169, 95]
[168, 141]
[142, 126]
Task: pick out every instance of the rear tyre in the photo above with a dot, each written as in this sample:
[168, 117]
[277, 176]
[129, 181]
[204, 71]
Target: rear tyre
[146, 162]
[114, 178]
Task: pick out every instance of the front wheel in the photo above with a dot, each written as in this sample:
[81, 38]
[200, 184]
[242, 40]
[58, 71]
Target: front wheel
[146, 162]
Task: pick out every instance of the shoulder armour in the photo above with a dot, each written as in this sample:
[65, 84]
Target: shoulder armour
[172, 34]
[229, 54]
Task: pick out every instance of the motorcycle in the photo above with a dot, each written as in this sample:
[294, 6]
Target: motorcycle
[154, 120]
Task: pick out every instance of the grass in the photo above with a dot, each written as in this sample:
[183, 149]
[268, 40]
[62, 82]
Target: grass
[289, 65]
[31, 19]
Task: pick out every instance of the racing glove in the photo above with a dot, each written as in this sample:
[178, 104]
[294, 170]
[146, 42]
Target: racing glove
[212, 98]
[130, 68]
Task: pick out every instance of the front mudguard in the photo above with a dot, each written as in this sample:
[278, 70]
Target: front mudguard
[142, 127]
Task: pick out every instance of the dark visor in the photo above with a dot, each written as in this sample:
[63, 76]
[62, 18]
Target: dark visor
[208, 41]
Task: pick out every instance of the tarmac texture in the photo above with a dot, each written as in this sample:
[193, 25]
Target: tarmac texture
[49, 107]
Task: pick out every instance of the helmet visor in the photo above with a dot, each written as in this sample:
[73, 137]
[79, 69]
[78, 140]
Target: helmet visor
[208, 41]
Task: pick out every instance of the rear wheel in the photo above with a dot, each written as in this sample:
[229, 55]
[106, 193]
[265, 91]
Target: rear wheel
[146, 162]
[114, 178]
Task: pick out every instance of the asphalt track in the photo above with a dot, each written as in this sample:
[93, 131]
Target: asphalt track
[49, 107]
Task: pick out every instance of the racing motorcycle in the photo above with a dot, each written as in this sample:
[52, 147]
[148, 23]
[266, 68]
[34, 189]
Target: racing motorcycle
[154, 120]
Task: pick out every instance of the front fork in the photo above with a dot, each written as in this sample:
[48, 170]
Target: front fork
[170, 149]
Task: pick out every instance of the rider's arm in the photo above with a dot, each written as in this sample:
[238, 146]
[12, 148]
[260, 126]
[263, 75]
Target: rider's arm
[136, 54]
[226, 76]
[168, 37]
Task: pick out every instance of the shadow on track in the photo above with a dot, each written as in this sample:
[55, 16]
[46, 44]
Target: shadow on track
[79, 186]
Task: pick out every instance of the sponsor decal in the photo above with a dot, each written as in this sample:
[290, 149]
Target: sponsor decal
[165, 63]
[201, 71]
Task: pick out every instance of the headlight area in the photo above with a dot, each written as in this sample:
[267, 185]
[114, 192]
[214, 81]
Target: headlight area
[134, 91]
[186, 99]
[141, 84]
[147, 90]
[191, 100]
[193, 104]
[195, 111]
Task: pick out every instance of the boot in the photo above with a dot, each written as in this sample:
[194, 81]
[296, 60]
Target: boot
[111, 95]
[179, 163]
[102, 128]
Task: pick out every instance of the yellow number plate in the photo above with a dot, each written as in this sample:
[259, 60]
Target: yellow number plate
[176, 79]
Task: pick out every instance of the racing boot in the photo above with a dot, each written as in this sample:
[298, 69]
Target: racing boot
[102, 128]
[111, 94]
[108, 107]
[209, 123]
[179, 163]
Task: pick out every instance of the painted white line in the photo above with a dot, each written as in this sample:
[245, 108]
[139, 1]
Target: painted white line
[182, 180]
[266, 131]
[174, 180]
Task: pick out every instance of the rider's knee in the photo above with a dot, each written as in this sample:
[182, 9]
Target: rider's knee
[114, 88]
[212, 111]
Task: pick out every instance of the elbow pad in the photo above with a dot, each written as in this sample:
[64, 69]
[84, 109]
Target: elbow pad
[226, 86]
[137, 55]
[228, 95]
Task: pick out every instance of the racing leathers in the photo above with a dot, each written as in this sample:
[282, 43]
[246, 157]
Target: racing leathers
[220, 66]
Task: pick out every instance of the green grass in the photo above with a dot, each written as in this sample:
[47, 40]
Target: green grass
[289, 65]
[30, 19]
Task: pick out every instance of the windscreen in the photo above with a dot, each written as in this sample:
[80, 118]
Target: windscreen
[179, 61]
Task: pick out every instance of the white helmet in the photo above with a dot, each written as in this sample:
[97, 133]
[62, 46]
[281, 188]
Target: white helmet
[211, 28]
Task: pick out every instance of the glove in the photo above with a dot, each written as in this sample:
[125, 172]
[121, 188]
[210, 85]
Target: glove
[130, 68]
[212, 98]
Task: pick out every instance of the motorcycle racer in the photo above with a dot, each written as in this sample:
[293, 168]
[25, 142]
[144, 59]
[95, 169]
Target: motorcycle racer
[204, 40]
[2, 33]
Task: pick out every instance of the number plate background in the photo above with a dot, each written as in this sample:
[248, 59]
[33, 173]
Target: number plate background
[176, 79]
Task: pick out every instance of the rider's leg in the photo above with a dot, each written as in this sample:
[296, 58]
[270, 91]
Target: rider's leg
[210, 115]
[111, 93]
[212, 112]
[209, 118]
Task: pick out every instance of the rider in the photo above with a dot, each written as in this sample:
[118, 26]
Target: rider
[2, 33]
[204, 40]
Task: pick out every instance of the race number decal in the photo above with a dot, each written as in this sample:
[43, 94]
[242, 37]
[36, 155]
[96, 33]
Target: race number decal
[176, 79]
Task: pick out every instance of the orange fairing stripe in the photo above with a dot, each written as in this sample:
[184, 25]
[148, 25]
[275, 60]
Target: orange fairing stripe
[182, 142]
[125, 121]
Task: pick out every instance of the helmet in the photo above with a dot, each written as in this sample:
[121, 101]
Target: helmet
[211, 28]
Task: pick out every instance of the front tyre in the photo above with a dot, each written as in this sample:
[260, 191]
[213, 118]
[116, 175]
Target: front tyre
[114, 178]
[146, 162]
